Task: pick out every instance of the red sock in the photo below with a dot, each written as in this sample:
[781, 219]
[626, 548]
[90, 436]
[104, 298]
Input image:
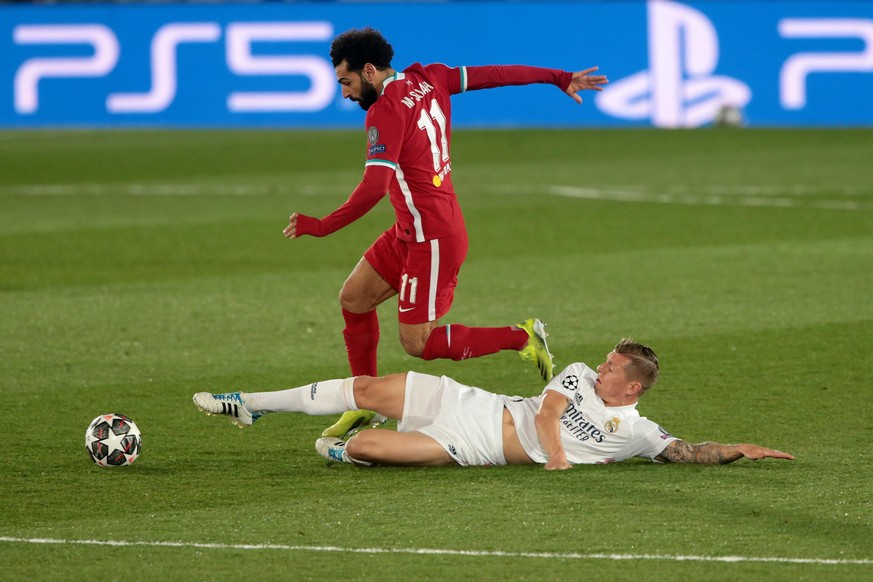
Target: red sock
[459, 342]
[362, 338]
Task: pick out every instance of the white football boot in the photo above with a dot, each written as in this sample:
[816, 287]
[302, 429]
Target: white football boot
[229, 404]
[334, 449]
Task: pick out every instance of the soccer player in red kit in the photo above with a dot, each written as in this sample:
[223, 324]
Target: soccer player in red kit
[408, 127]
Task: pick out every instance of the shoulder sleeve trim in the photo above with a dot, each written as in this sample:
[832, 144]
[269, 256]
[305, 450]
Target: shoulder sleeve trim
[383, 163]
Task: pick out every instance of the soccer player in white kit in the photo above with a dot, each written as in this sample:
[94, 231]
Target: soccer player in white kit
[583, 416]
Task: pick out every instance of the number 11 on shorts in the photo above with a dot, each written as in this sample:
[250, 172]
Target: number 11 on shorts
[413, 287]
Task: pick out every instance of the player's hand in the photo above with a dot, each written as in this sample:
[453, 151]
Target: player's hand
[755, 452]
[291, 230]
[583, 81]
[557, 463]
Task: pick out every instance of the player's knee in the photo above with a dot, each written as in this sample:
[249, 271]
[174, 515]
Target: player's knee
[349, 300]
[414, 345]
[363, 390]
[414, 338]
[363, 446]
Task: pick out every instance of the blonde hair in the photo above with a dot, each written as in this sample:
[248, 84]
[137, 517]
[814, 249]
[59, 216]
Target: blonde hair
[643, 366]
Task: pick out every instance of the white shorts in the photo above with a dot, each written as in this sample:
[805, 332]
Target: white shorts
[466, 421]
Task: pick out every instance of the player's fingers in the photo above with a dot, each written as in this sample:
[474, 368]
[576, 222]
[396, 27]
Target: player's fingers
[771, 454]
[291, 230]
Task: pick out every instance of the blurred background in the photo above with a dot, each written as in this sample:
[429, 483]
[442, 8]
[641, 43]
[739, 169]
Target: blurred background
[266, 64]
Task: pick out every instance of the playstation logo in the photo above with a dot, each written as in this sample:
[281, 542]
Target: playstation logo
[679, 89]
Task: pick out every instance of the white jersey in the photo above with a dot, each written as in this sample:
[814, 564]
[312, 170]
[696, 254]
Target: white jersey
[591, 432]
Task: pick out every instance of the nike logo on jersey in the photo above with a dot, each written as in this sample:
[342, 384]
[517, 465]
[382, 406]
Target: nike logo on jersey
[405, 309]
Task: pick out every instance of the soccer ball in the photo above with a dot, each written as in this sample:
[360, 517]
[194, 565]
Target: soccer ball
[729, 116]
[113, 440]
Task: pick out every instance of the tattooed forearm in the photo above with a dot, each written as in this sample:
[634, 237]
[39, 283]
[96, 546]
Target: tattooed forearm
[703, 453]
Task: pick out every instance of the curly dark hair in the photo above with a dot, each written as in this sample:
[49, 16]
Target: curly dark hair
[360, 46]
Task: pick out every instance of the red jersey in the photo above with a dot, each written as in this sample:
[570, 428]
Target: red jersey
[408, 137]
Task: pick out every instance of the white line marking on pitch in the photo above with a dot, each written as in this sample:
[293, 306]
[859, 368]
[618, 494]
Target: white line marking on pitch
[161, 189]
[705, 199]
[711, 195]
[439, 552]
[133, 189]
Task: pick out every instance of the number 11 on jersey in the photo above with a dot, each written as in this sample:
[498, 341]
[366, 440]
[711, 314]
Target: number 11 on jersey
[438, 146]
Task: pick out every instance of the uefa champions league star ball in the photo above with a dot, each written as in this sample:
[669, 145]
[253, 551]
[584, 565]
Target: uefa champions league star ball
[113, 440]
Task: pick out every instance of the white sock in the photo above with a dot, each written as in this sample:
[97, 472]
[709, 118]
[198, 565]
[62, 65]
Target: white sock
[317, 399]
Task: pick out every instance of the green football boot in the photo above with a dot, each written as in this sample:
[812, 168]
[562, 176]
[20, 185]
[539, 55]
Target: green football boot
[352, 420]
[537, 350]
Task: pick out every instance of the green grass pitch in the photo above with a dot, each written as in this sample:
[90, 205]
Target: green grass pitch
[137, 268]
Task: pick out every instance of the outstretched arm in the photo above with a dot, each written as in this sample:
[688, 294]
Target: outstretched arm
[707, 453]
[487, 77]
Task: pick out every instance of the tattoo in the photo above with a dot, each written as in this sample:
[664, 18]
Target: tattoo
[703, 453]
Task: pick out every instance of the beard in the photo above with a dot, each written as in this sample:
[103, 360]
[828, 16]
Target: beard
[368, 95]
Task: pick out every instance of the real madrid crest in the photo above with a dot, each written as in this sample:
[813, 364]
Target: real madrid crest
[611, 425]
[372, 135]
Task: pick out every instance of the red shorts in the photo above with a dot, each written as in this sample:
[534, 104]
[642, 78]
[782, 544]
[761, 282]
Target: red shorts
[424, 274]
